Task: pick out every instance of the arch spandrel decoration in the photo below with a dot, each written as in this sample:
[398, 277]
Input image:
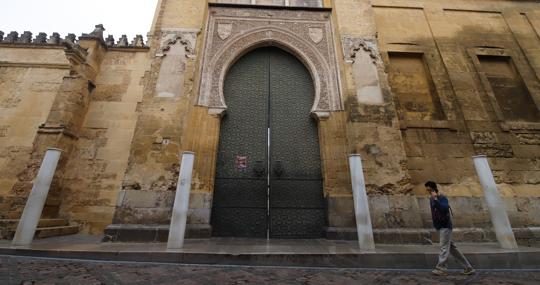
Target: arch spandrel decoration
[233, 32]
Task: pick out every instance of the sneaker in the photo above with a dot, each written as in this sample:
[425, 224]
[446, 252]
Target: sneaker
[469, 271]
[439, 272]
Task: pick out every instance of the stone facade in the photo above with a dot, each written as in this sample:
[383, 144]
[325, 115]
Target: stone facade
[415, 87]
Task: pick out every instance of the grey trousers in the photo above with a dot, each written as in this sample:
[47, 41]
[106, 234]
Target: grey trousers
[448, 247]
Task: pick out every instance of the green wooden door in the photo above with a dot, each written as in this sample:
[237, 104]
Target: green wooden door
[268, 177]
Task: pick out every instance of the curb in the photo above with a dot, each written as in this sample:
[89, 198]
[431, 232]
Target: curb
[505, 260]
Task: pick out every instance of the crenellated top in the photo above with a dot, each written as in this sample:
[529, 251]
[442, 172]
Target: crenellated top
[42, 39]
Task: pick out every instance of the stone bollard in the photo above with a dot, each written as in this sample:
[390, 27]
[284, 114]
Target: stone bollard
[361, 206]
[497, 209]
[177, 229]
[36, 200]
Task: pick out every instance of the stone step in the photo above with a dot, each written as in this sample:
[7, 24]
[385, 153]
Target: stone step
[43, 223]
[150, 233]
[56, 231]
[9, 226]
[296, 253]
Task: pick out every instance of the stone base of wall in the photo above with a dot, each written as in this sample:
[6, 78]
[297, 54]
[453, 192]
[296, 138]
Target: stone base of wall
[159, 233]
[155, 207]
[413, 212]
[525, 236]
[151, 233]
[145, 215]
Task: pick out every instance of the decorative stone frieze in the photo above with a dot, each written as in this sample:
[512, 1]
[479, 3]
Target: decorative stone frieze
[306, 34]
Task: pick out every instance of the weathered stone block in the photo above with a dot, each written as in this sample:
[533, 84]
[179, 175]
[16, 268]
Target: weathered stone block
[340, 212]
[526, 151]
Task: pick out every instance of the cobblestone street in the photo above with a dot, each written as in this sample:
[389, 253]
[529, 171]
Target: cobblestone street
[25, 270]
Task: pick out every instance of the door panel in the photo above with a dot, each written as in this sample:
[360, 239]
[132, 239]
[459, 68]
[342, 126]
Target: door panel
[269, 94]
[296, 198]
[240, 196]
[296, 223]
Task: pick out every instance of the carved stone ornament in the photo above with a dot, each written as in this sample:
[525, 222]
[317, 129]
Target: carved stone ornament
[351, 45]
[185, 37]
[316, 34]
[305, 34]
[224, 30]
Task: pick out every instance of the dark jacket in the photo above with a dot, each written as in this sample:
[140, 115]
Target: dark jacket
[440, 212]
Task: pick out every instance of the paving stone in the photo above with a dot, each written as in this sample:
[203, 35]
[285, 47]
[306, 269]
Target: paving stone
[51, 271]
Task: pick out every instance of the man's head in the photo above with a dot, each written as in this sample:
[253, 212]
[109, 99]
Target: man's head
[431, 187]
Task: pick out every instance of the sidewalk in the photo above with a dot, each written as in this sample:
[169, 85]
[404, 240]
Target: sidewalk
[261, 252]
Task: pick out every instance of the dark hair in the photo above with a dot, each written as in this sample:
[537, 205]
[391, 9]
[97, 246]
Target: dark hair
[432, 185]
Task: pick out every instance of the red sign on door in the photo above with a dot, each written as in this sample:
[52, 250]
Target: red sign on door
[240, 163]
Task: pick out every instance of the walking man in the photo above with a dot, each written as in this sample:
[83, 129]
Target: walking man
[442, 221]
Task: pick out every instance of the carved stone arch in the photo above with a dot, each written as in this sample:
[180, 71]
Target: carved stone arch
[215, 67]
[186, 38]
[351, 47]
[177, 46]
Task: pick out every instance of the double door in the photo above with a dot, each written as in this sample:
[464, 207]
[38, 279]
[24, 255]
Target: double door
[268, 177]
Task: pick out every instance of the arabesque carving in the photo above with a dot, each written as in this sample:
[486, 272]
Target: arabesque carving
[306, 34]
[186, 37]
[351, 45]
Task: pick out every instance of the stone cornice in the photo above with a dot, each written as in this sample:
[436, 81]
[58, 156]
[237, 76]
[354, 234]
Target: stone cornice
[276, 7]
[32, 46]
[35, 65]
[57, 129]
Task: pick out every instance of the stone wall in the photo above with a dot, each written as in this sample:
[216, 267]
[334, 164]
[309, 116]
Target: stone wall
[30, 76]
[414, 107]
[417, 88]
[450, 65]
[96, 170]
[76, 95]
[165, 121]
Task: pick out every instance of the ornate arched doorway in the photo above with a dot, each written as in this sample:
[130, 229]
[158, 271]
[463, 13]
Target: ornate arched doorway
[268, 177]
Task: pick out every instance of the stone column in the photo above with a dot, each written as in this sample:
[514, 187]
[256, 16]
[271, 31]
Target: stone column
[361, 207]
[177, 229]
[497, 209]
[36, 200]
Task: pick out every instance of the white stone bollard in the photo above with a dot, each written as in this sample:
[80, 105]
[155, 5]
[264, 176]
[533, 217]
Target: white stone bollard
[36, 200]
[497, 209]
[177, 229]
[361, 206]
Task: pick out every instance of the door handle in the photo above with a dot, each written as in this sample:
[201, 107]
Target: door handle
[258, 168]
[278, 168]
